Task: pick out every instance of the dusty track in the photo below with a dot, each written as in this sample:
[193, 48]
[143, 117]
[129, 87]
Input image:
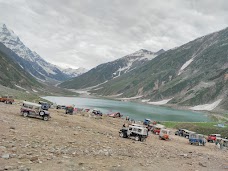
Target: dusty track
[74, 143]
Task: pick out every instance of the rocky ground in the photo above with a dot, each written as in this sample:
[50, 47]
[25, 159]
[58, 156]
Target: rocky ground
[77, 142]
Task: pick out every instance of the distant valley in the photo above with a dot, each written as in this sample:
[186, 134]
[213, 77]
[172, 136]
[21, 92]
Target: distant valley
[194, 74]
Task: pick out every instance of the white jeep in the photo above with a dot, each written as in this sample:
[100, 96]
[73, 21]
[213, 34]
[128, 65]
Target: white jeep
[34, 110]
[139, 133]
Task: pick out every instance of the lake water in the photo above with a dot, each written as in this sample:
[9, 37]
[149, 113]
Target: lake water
[135, 111]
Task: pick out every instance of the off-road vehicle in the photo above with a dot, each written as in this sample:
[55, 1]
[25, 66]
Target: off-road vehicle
[44, 105]
[197, 139]
[139, 133]
[34, 110]
[7, 99]
[69, 110]
[156, 128]
[164, 134]
[186, 133]
[97, 112]
[212, 137]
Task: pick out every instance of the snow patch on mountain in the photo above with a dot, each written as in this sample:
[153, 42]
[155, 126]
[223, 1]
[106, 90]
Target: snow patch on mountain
[139, 56]
[115, 95]
[74, 72]
[207, 107]
[19, 87]
[162, 102]
[131, 98]
[35, 91]
[186, 64]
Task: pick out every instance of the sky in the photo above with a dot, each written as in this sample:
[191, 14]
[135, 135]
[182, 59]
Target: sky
[86, 33]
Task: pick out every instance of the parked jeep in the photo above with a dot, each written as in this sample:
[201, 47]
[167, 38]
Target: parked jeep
[164, 134]
[115, 115]
[180, 132]
[60, 107]
[44, 105]
[186, 133]
[7, 99]
[97, 112]
[212, 137]
[197, 139]
[34, 110]
[69, 110]
[156, 128]
[146, 122]
[139, 133]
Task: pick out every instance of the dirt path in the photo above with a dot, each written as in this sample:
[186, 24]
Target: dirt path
[74, 143]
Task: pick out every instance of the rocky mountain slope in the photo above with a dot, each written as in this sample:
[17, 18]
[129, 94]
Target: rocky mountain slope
[31, 61]
[13, 75]
[111, 70]
[193, 74]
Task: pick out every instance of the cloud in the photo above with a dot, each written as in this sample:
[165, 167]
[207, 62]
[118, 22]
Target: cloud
[86, 33]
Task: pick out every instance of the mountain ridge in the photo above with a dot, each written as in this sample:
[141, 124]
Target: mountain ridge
[31, 61]
[190, 75]
[111, 70]
[12, 74]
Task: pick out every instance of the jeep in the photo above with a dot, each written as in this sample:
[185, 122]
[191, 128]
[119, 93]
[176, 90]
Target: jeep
[34, 110]
[69, 110]
[197, 139]
[164, 134]
[7, 99]
[139, 133]
[212, 137]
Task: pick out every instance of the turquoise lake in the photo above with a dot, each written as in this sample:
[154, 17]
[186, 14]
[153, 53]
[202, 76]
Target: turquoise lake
[136, 111]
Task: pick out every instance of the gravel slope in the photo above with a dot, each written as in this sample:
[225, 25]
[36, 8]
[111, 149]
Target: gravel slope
[76, 142]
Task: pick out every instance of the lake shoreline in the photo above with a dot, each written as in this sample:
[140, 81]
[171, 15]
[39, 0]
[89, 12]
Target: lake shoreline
[215, 115]
[132, 108]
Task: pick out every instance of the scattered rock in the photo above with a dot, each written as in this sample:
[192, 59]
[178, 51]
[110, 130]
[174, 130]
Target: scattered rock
[14, 149]
[80, 164]
[24, 169]
[6, 156]
[33, 159]
[12, 127]
[202, 164]
[13, 155]
[10, 167]
[2, 148]
[184, 155]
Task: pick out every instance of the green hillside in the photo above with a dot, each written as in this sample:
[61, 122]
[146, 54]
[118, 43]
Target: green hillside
[110, 70]
[203, 81]
[12, 74]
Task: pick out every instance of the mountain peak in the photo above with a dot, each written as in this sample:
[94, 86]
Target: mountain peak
[160, 52]
[142, 50]
[3, 26]
[7, 34]
[30, 60]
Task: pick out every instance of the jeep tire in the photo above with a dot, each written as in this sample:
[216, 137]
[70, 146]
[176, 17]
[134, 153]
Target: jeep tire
[143, 139]
[121, 134]
[25, 114]
[137, 138]
[45, 118]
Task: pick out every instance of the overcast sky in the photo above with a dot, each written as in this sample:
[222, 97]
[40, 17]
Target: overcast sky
[85, 33]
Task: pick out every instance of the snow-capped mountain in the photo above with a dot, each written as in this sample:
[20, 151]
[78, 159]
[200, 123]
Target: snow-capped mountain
[74, 72]
[31, 61]
[111, 70]
[194, 74]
